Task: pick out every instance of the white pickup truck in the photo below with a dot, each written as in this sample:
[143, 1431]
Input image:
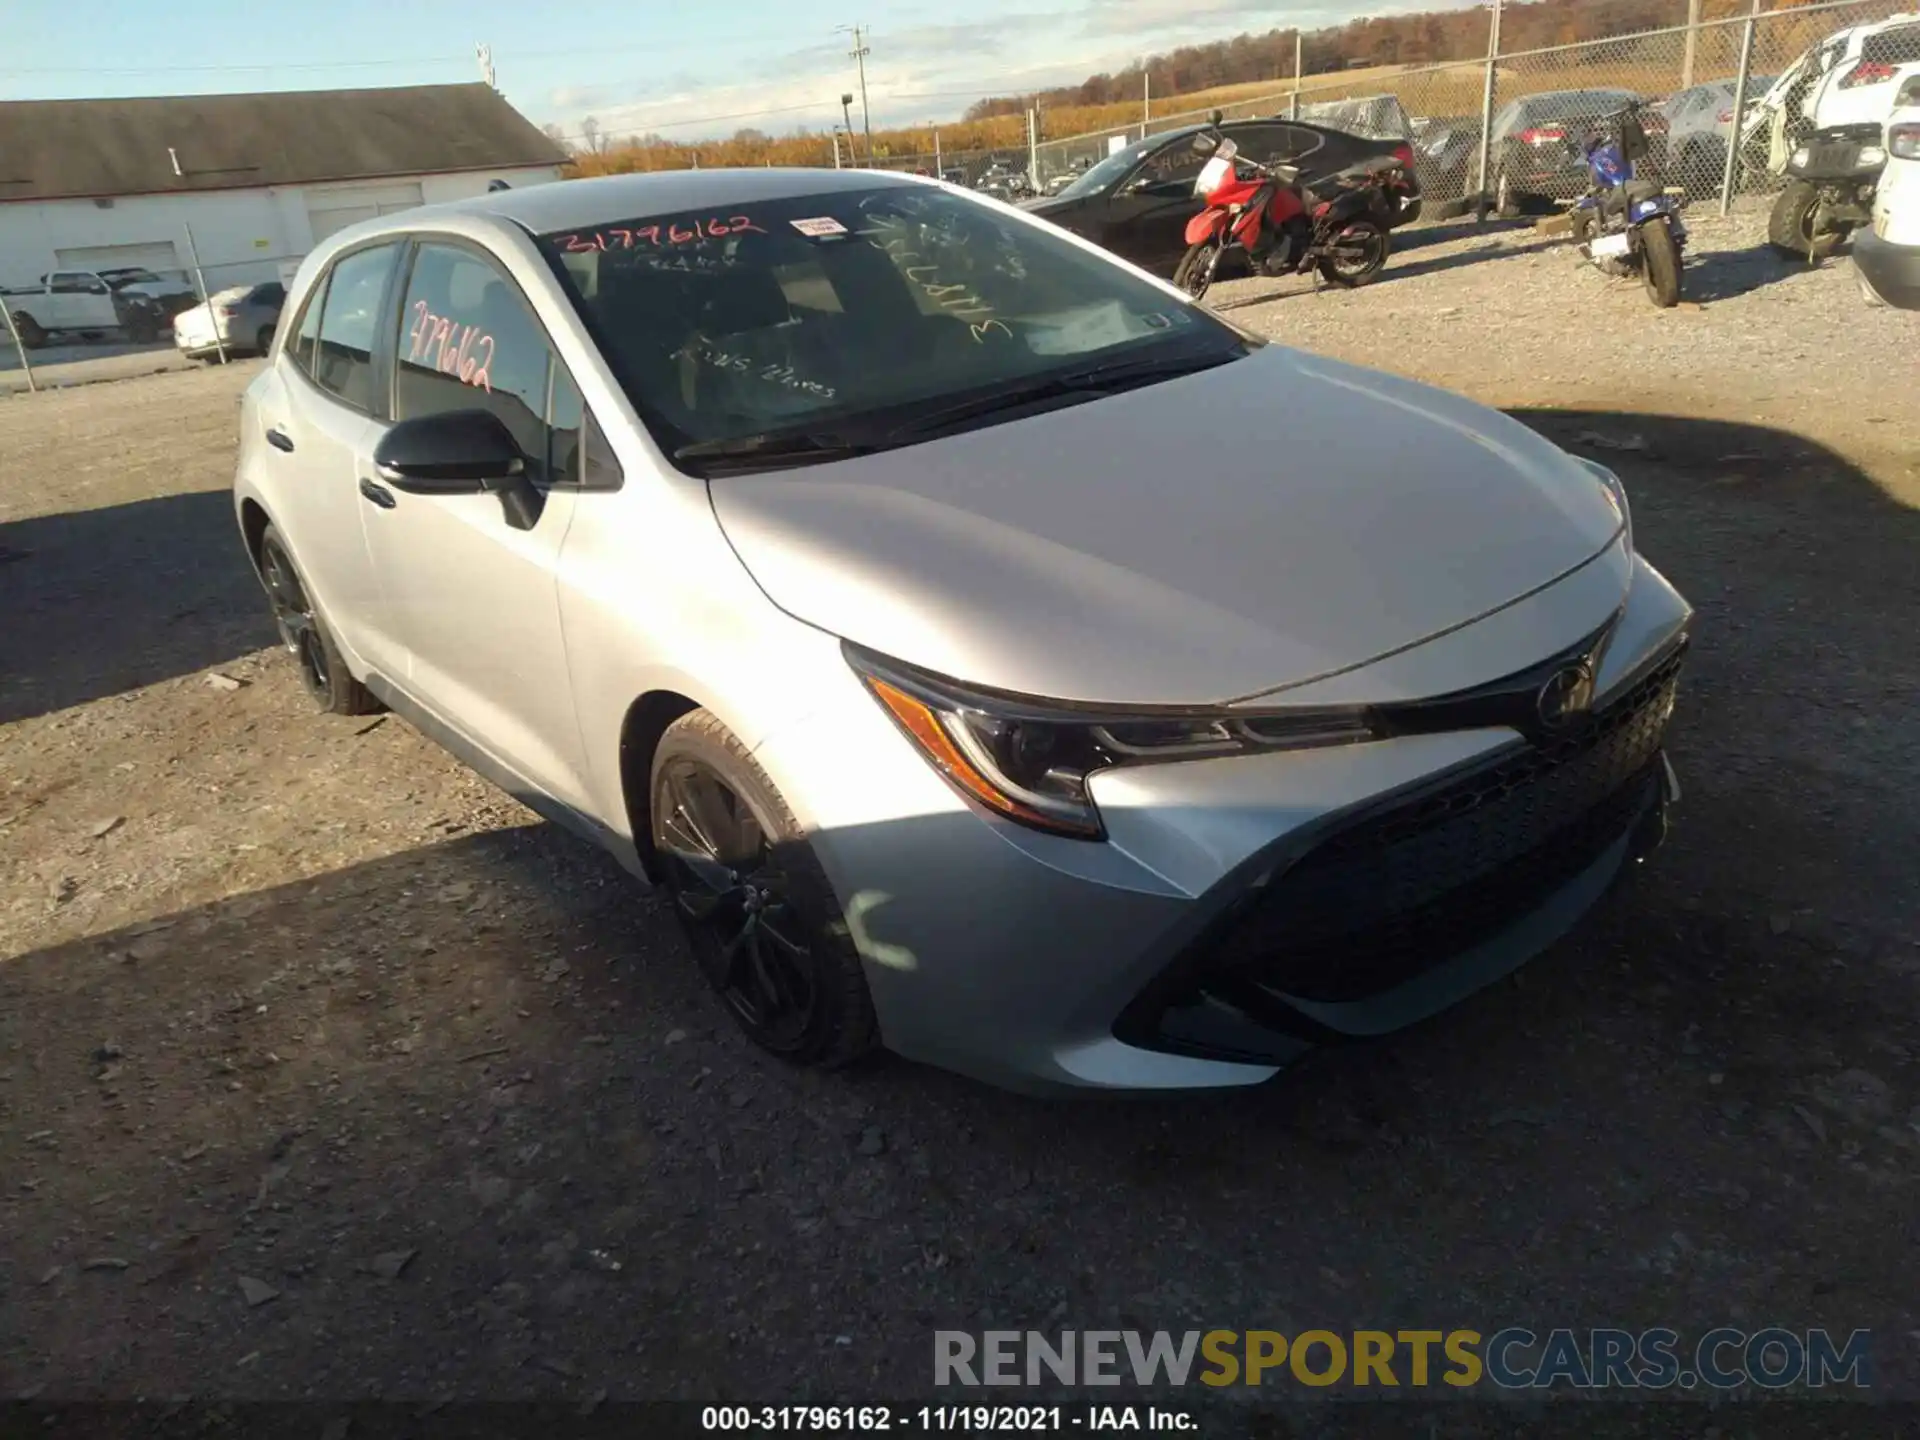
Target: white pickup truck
[78, 302]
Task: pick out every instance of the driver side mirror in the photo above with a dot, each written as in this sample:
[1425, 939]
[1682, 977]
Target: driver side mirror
[460, 452]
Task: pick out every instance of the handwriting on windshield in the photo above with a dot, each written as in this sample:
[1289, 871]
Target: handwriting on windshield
[628, 237]
[442, 343]
[960, 300]
[774, 374]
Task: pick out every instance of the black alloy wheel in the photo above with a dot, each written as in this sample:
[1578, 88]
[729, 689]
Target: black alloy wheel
[735, 898]
[294, 616]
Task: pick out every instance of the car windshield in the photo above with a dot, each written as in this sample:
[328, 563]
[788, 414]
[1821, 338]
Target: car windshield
[1109, 170]
[120, 279]
[857, 312]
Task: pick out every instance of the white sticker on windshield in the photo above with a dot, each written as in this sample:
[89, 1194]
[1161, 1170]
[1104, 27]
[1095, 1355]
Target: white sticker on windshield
[822, 225]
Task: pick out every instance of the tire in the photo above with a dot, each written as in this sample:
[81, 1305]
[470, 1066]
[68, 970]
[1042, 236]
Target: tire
[762, 920]
[1194, 274]
[1790, 222]
[1660, 265]
[1506, 202]
[1581, 226]
[322, 669]
[31, 335]
[263, 342]
[1372, 240]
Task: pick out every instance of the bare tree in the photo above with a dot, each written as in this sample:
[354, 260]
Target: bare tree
[591, 140]
[555, 133]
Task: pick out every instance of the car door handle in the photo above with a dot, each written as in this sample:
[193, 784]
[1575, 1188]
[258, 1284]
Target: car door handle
[280, 440]
[378, 494]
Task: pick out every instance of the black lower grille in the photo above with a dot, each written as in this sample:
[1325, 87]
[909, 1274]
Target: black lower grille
[1409, 886]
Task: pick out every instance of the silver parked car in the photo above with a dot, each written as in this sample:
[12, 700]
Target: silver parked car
[997, 657]
[245, 316]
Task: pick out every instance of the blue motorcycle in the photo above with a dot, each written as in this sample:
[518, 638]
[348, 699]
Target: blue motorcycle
[1626, 224]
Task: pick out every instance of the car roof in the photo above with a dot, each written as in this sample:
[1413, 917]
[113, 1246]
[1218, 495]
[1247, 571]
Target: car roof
[569, 204]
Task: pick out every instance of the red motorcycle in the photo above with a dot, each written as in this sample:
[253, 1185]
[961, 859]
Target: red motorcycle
[1340, 227]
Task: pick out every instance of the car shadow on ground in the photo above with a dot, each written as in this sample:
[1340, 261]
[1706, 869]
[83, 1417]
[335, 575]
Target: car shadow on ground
[463, 1121]
[101, 601]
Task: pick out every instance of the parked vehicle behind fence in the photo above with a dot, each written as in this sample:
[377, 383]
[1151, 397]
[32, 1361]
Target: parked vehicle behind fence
[75, 303]
[245, 317]
[994, 655]
[1700, 127]
[1535, 151]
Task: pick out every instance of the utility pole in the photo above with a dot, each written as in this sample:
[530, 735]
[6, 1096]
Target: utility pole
[484, 54]
[859, 55]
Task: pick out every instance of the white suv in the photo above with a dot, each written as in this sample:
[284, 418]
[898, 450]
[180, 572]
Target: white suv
[1887, 256]
[1846, 79]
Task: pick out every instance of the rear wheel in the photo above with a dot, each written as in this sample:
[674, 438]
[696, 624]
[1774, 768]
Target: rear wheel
[756, 906]
[1358, 255]
[1195, 271]
[304, 633]
[1660, 264]
[263, 342]
[1506, 200]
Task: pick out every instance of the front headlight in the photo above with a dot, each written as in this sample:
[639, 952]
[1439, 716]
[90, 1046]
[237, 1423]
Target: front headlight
[1030, 760]
[1872, 155]
[1616, 495]
[1801, 156]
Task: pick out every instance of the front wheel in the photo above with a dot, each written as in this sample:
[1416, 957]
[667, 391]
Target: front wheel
[1660, 264]
[758, 911]
[1195, 271]
[32, 336]
[1357, 256]
[1790, 228]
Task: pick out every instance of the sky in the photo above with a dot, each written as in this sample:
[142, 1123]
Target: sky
[688, 70]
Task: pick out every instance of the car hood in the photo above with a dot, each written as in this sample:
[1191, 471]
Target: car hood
[1247, 528]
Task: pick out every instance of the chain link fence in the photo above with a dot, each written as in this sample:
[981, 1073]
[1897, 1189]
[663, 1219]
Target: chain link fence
[1505, 132]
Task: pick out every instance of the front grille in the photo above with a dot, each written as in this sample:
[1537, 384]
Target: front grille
[1832, 157]
[1407, 887]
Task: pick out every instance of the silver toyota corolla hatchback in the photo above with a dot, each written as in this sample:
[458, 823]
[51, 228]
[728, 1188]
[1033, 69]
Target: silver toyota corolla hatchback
[997, 657]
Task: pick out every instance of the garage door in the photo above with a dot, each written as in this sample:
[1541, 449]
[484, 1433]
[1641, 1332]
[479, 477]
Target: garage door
[155, 255]
[331, 210]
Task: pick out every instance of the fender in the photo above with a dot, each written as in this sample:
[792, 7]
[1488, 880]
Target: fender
[1205, 225]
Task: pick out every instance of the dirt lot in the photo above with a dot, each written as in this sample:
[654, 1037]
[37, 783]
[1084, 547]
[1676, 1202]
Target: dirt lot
[327, 1071]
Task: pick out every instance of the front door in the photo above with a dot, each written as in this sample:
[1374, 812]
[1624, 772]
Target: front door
[1148, 211]
[474, 601]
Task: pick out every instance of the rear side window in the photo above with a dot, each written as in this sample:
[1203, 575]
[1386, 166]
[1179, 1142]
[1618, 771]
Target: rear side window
[306, 339]
[1892, 47]
[349, 321]
[270, 293]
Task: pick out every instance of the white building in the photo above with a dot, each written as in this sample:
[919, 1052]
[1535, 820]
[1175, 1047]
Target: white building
[249, 182]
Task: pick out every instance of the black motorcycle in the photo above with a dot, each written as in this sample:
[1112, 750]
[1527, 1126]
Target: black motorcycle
[1831, 179]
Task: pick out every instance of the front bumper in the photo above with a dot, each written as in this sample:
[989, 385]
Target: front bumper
[1246, 909]
[1892, 271]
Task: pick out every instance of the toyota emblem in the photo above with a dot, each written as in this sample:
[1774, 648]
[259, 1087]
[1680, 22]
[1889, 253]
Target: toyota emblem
[1566, 697]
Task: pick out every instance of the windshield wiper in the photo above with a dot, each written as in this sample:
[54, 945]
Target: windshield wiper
[774, 449]
[1090, 383]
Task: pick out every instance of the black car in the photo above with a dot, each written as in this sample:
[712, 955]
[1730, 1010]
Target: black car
[1536, 149]
[1137, 201]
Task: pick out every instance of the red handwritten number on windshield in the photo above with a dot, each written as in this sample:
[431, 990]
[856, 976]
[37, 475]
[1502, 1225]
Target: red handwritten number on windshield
[621, 238]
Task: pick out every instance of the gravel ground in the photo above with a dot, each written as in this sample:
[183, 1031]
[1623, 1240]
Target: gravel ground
[85, 363]
[326, 1071]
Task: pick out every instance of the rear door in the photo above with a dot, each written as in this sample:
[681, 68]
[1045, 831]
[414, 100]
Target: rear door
[320, 429]
[80, 300]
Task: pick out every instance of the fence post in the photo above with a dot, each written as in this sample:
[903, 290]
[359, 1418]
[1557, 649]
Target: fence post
[200, 279]
[1293, 104]
[26, 365]
[1693, 38]
[1730, 176]
[939, 166]
[1033, 148]
[1486, 103]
